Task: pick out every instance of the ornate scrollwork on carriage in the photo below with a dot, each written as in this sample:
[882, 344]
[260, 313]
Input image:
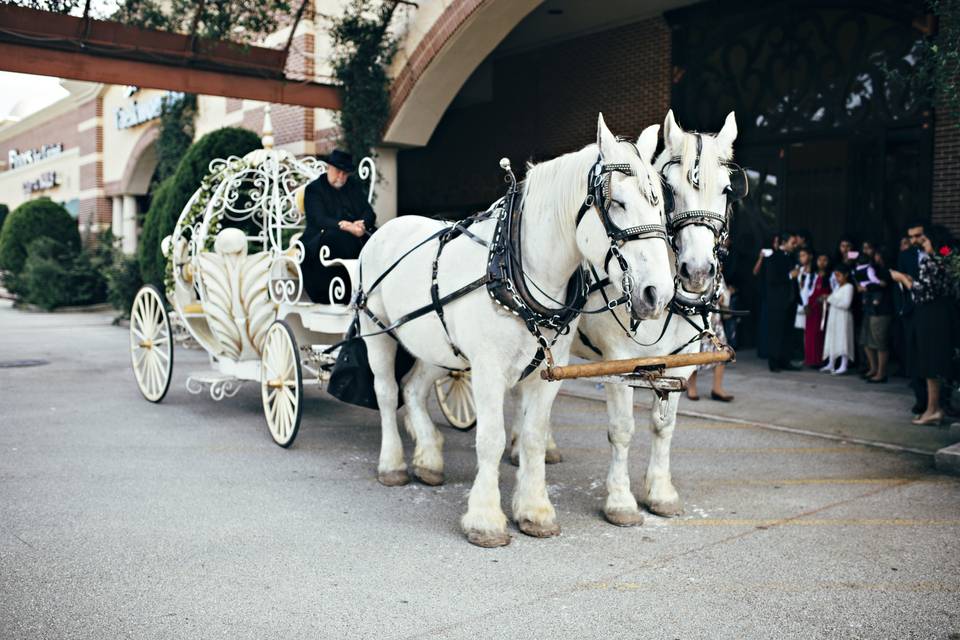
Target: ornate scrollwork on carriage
[234, 256]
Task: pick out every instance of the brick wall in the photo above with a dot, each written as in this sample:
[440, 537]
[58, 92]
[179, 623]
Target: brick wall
[95, 209]
[62, 129]
[544, 103]
[946, 173]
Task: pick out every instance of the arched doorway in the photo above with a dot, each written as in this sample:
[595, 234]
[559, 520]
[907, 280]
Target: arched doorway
[834, 145]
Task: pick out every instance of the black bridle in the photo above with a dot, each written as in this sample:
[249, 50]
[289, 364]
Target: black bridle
[718, 223]
[599, 197]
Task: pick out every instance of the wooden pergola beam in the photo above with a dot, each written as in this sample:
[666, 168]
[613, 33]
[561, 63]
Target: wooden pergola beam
[45, 43]
[81, 66]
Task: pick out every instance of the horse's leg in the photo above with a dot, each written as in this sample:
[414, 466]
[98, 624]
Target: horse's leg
[621, 506]
[382, 353]
[428, 450]
[552, 456]
[532, 510]
[658, 492]
[485, 523]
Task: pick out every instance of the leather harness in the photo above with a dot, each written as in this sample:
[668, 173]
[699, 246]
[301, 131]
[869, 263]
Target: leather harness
[505, 279]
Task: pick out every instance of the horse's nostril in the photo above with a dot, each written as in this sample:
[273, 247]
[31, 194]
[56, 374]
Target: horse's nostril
[713, 269]
[650, 295]
[684, 271]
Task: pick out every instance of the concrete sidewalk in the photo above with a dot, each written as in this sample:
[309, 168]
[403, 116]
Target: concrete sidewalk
[841, 407]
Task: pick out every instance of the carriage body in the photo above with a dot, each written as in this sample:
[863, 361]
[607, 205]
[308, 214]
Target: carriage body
[234, 288]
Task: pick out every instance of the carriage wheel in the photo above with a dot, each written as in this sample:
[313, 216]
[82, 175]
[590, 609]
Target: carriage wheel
[455, 396]
[281, 383]
[151, 343]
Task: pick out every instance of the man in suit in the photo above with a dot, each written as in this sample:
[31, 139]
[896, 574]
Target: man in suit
[908, 262]
[339, 217]
[781, 288]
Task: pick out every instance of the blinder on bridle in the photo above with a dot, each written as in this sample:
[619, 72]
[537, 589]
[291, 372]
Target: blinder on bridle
[717, 222]
[599, 196]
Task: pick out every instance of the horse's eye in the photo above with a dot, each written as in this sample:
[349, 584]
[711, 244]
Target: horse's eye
[619, 204]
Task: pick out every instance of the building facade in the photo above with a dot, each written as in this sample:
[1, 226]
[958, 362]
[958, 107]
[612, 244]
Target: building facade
[830, 143]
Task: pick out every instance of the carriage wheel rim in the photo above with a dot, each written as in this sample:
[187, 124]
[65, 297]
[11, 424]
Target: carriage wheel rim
[455, 397]
[151, 346]
[280, 385]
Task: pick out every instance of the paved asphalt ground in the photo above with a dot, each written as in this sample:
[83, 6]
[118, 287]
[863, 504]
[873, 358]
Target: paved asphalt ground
[122, 519]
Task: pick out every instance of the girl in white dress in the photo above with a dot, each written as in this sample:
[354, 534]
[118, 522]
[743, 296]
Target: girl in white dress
[839, 337]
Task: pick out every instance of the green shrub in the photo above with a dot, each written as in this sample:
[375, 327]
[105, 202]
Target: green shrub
[31, 220]
[172, 194]
[4, 210]
[120, 271]
[57, 275]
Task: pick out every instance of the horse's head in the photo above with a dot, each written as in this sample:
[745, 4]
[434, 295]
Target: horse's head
[622, 231]
[700, 181]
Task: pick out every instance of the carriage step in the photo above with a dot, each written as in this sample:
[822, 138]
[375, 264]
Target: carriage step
[220, 385]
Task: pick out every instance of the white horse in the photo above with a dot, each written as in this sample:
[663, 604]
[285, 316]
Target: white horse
[495, 344]
[699, 181]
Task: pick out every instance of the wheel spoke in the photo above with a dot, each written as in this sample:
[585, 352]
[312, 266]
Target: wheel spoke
[462, 405]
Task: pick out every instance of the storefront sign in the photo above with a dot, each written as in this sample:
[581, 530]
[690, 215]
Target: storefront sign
[19, 159]
[139, 111]
[45, 181]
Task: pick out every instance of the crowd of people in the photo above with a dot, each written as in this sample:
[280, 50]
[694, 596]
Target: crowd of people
[846, 312]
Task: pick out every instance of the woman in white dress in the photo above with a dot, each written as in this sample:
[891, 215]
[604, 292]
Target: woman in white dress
[839, 343]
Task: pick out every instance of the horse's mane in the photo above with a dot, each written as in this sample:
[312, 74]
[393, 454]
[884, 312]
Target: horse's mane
[709, 158]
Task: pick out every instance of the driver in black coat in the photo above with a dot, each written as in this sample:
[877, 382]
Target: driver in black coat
[339, 217]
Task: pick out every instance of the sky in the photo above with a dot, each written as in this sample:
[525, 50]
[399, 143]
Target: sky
[31, 92]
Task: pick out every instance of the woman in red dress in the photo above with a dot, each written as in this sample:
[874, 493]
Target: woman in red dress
[813, 333]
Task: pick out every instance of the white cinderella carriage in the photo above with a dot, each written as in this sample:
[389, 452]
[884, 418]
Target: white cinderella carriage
[234, 287]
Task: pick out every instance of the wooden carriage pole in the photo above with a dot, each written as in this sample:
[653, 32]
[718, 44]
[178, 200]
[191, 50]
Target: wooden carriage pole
[637, 365]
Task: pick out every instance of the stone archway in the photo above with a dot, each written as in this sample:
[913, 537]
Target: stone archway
[457, 42]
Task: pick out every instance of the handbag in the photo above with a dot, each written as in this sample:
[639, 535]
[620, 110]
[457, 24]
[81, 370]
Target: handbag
[351, 380]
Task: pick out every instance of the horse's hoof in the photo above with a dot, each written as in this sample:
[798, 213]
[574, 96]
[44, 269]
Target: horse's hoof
[393, 478]
[538, 530]
[428, 477]
[623, 518]
[553, 456]
[667, 509]
[489, 539]
[515, 458]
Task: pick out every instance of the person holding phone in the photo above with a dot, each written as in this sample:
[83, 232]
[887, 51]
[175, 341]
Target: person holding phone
[934, 331]
[758, 271]
[908, 263]
[780, 276]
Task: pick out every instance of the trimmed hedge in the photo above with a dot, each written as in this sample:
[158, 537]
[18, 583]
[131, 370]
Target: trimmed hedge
[57, 275]
[40, 218]
[172, 194]
[4, 210]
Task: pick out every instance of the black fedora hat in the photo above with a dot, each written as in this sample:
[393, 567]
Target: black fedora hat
[341, 160]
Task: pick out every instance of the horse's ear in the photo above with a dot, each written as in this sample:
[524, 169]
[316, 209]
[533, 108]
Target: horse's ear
[647, 142]
[727, 135]
[605, 139]
[672, 133]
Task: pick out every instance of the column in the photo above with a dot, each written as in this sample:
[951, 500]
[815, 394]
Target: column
[386, 190]
[129, 225]
[116, 211]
